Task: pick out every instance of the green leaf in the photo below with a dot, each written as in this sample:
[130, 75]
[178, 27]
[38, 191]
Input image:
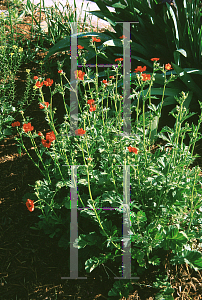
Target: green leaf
[7, 131]
[155, 261]
[175, 24]
[174, 238]
[83, 182]
[94, 262]
[64, 241]
[87, 239]
[34, 228]
[182, 51]
[64, 44]
[154, 128]
[188, 81]
[121, 289]
[54, 233]
[194, 259]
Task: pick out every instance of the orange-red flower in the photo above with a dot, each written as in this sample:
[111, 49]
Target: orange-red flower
[46, 143]
[140, 69]
[105, 82]
[168, 67]
[146, 77]
[111, 77]
[28, 127]
[30, 204]
[91, 101]
[118, 59]
[79, 74]
[60, 71]
[41, 105]
[48, 82]
[35, 77]
[155, 59]
[95, 39]
[39, 84]
[133, 149]
[80, 131]
[40, 134]
[15, 124]
[92, 108]
[80, 47]
[123, 37]
[50, 136]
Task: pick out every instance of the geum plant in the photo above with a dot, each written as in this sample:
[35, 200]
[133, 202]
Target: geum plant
[165, 203]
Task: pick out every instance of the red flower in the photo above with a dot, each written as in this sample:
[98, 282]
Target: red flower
[118, 59]
[168, 67]
[48, 82]
[146, 77]
[35, 77]
[140, 69]
[91, 101]
[123, 37]
[30, 204]
[27, 127]
[60, 71]
[112, 77]
[50, 136]
[80, 131]
[40, 134]
[95, 39]
[155, 59]
[133, 149]
[46, 143]
[39, 84]
[92, 108]
[15, 124]
[80, 47]
[79, 74]
[105, 82]
[41, 105]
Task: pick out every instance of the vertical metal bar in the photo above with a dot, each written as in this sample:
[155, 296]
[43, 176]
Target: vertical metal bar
[73, 97]
[73, 227]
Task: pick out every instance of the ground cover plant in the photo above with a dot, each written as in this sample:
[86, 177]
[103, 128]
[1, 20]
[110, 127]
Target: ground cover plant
[164, 207]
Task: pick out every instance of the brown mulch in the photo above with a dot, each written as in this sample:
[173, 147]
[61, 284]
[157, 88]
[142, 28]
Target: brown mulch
[28, 269]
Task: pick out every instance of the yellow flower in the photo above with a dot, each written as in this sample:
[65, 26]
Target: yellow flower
[12, 54]
[28, 71]
[20, 49]
[15, 47]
